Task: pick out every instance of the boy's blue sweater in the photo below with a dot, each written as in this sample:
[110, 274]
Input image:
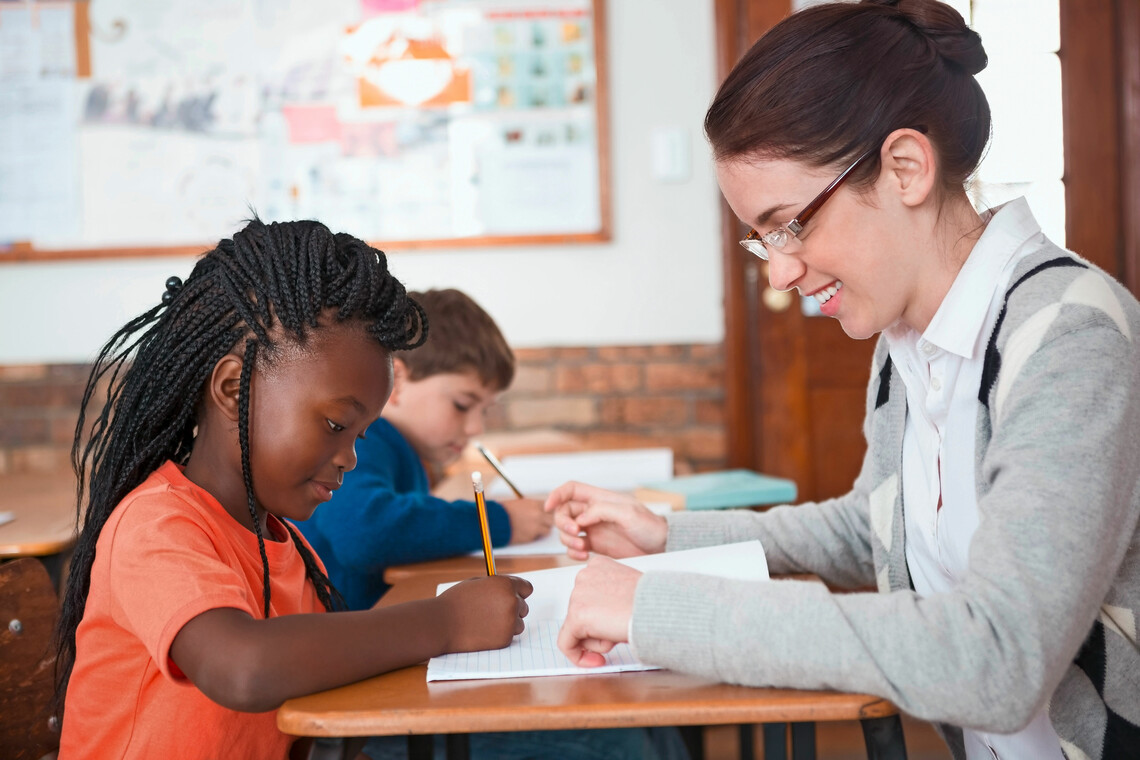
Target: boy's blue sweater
[384, 514]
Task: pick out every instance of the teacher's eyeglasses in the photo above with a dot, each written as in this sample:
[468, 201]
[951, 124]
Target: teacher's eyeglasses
[779, 237]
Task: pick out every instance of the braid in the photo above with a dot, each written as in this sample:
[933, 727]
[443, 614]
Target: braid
[326, 592]
[243, 439]
[269, 279]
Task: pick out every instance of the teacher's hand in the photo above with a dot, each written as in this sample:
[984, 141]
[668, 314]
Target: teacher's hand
[599, 611]
[591, 519]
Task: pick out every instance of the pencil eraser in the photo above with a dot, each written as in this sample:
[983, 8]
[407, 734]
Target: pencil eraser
[476, 477]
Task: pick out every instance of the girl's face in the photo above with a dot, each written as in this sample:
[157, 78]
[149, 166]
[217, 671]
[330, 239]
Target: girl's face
[854, 247]
[307, 410]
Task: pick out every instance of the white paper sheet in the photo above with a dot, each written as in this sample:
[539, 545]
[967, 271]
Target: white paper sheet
[535, 651]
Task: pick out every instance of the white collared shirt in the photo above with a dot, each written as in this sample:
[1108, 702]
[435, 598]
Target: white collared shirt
[942, 371]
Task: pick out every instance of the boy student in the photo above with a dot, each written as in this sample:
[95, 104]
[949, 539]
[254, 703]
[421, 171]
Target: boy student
[384, 514]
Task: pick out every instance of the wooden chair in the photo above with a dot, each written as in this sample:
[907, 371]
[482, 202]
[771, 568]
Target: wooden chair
[28, 611]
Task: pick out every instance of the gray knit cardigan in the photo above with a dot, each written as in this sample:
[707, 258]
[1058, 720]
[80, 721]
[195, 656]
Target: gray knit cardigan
[1046, 615]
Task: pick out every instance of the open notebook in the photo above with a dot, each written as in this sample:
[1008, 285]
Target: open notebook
[534, 652]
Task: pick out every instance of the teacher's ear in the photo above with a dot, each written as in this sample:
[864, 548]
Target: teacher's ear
[909, 166]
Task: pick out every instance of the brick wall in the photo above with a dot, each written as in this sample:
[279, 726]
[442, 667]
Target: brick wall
[624, 397]
[38, 409]
[608, 397]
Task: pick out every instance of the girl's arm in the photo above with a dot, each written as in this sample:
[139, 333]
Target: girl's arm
[253, 665]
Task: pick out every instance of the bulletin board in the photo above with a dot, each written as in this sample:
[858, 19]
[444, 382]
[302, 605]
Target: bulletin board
[144, 128]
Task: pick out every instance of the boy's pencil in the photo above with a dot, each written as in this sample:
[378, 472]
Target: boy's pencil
[488, 557]
[498, 468]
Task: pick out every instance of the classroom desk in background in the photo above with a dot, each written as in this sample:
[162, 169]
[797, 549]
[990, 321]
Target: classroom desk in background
[404, 703]
[43, 507]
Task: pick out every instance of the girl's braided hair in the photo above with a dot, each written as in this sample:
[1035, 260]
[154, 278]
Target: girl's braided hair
[270, 279]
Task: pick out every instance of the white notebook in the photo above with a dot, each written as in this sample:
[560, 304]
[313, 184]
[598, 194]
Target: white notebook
[535, 652]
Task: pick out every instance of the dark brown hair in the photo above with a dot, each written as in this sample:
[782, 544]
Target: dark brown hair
[828, 83]
[463, 338]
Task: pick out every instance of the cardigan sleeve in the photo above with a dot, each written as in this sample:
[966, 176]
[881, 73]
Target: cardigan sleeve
[830, 539]
[1059, 499]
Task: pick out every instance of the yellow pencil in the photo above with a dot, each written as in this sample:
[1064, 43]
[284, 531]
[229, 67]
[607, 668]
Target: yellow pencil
[477, 482]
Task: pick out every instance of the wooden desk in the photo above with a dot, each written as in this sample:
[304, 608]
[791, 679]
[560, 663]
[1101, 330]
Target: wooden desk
[459, 568]
[44, 506]
[403, 702]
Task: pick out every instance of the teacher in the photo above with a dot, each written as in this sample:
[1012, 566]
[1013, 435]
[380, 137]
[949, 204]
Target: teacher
[996, 510]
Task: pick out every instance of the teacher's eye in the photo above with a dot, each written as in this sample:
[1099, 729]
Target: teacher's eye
[335, 427]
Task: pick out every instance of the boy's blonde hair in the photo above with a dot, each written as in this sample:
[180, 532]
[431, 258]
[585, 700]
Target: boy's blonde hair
[462, 338]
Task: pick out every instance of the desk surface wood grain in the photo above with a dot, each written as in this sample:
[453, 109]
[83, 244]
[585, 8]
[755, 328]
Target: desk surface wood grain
[403, 702]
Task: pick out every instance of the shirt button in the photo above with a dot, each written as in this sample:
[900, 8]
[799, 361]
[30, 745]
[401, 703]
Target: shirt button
[935, 383]
[928, 348]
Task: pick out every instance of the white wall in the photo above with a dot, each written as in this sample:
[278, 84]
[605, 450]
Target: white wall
[657, 281]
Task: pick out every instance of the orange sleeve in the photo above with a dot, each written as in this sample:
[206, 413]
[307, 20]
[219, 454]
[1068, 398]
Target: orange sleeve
[165, 569]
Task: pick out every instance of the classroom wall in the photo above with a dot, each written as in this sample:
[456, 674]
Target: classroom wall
[657, 282]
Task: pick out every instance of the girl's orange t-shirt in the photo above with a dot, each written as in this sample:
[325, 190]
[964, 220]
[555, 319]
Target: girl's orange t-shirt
[168, 553]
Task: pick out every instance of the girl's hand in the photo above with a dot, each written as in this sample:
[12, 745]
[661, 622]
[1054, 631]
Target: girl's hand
[528, 520]
[614, 524]
[599, 611]
[484, 613]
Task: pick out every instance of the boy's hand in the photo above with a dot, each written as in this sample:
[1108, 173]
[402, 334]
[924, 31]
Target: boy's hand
[528, 520]
[484, 613]
[592, 519]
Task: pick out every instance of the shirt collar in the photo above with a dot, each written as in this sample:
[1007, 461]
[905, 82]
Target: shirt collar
[957, 326]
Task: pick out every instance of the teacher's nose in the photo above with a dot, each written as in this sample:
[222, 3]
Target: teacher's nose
[784, 270]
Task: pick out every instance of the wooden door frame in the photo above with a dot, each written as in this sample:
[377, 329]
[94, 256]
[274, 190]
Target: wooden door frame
[1100, 82]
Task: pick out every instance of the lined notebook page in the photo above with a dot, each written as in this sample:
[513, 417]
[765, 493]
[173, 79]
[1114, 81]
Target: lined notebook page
[535, 652]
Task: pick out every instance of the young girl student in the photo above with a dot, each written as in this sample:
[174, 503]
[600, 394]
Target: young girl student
[234, 406]
[996, 511]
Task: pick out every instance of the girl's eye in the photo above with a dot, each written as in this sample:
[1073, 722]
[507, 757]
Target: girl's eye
[335, 427]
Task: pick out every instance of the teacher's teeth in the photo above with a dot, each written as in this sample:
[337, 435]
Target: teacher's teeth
[825, 295]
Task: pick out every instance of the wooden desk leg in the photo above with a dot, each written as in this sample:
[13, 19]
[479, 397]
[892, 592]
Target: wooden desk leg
[775, 740]
[420, 746]
[803, 741]
[458, 746]
[747, 733]
[884, 738]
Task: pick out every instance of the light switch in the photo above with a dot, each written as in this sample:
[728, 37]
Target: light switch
[671, 154]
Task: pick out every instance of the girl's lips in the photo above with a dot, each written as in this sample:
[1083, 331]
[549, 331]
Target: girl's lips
[324, 490]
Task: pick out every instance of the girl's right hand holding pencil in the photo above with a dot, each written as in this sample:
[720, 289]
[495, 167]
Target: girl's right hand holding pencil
[485, 613]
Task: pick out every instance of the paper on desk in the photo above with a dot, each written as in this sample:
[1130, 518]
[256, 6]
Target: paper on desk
[551, 544]
[535, 651]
